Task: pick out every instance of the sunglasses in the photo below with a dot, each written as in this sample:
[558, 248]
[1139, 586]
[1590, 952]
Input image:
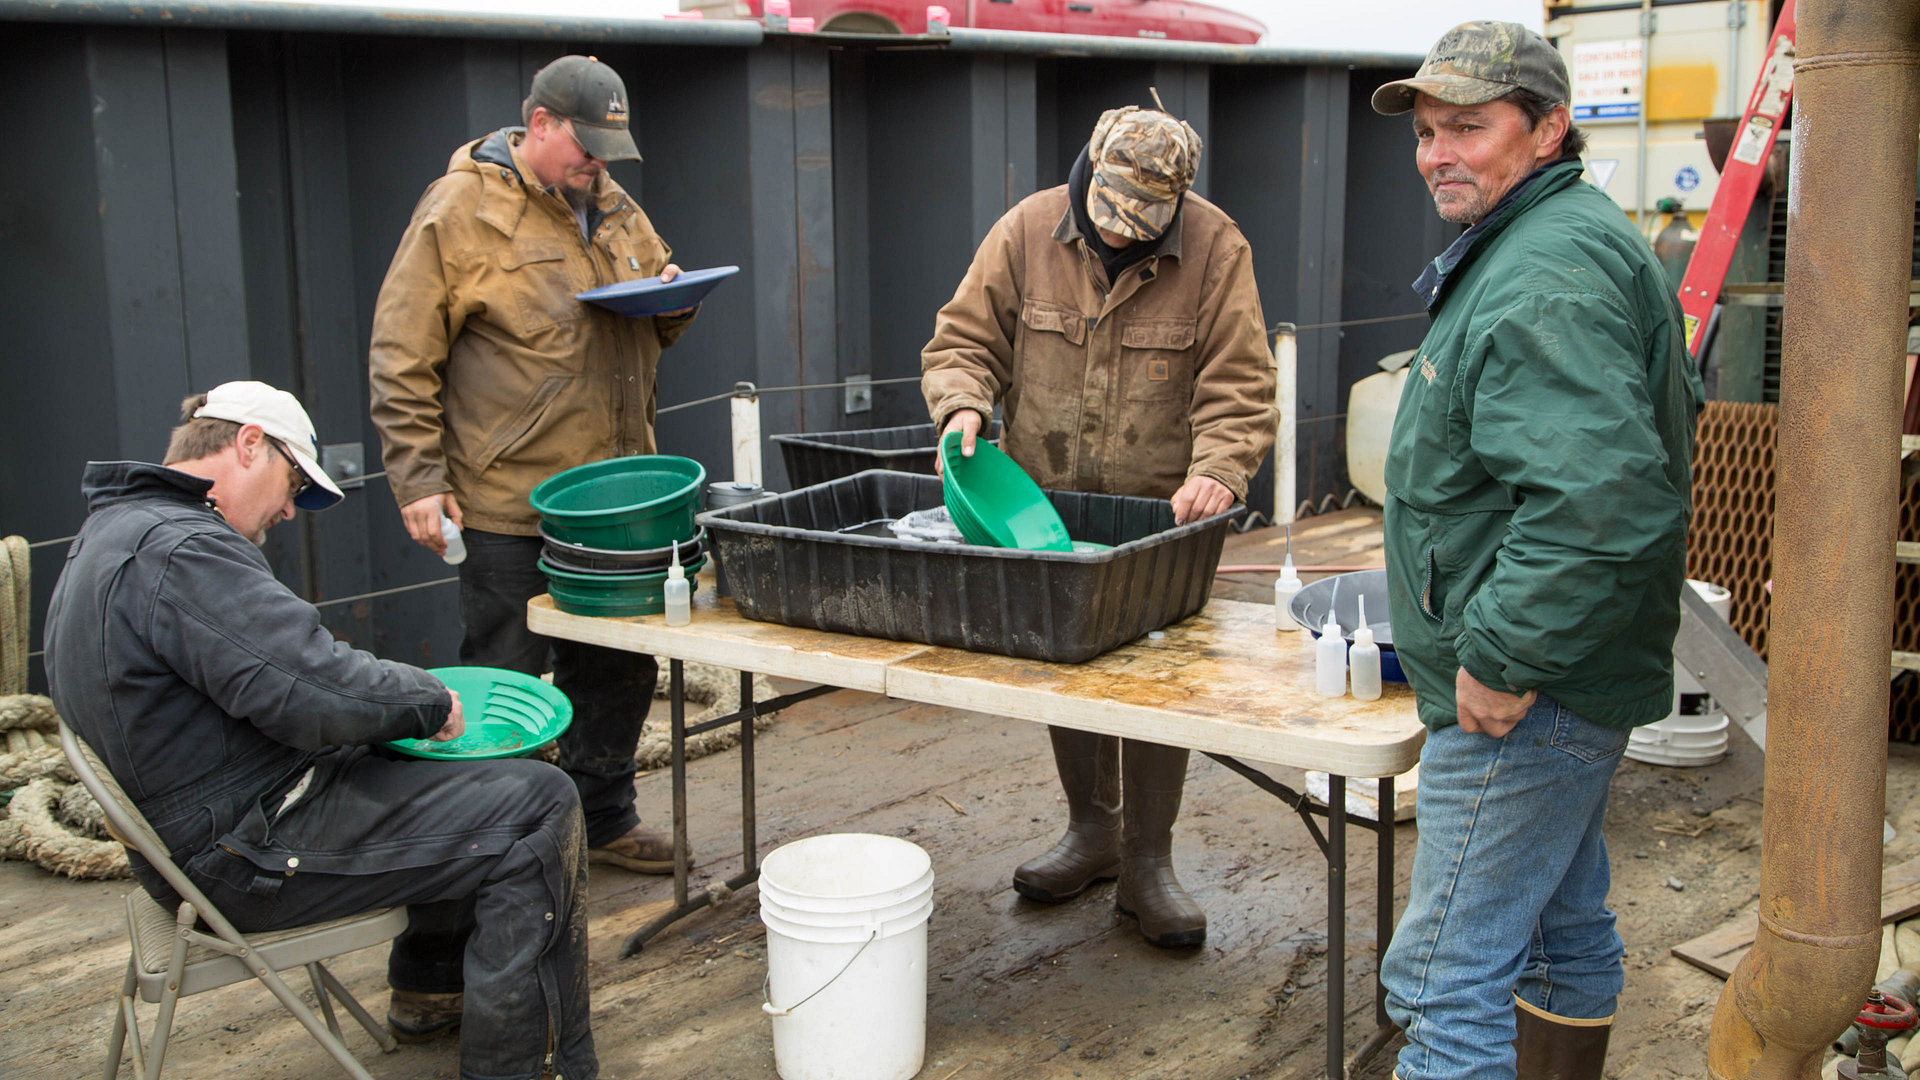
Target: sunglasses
[567, 125]
[300, 481]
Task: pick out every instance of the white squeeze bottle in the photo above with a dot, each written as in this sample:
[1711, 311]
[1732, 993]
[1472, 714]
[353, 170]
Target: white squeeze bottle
[1330, 660]
[1364, 659]
[456, 552]
[678, 592]
[1283, 589]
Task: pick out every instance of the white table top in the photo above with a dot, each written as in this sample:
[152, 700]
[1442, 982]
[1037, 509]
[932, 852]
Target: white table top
[1222, 681]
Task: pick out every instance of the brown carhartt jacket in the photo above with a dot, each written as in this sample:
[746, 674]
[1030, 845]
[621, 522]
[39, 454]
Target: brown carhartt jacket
[487, 375]
[1128, 391]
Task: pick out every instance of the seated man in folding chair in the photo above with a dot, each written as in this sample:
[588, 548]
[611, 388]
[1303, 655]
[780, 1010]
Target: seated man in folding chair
[243, 731]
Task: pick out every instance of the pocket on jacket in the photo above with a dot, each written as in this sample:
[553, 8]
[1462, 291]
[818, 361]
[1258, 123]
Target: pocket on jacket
[1432, 595]
[1156, 359]
[637, 258]
[542, 289]
[1051, 319]
[521, 423]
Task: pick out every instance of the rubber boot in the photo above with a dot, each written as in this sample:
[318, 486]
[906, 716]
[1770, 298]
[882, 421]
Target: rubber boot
[1549, 1047]
[1089, 767]
[1153, 776]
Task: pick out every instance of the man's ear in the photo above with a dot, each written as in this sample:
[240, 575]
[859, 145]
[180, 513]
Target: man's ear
[1552, 130]
[249, 441]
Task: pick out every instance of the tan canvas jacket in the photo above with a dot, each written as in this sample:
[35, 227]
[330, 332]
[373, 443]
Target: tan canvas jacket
[1128, 391]
[487, 375]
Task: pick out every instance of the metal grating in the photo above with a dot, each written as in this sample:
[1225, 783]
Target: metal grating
[1904, 725]
[1731, 543]
[1732, 539]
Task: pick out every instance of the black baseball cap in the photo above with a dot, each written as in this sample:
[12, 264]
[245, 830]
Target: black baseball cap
[589, 93]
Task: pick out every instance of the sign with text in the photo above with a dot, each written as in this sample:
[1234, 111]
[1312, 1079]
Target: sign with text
[1606, 80]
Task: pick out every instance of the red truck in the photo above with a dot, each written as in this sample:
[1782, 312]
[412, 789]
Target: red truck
[1170, 20]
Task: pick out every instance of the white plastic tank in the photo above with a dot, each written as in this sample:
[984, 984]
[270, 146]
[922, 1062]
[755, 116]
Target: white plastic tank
[1695, 732]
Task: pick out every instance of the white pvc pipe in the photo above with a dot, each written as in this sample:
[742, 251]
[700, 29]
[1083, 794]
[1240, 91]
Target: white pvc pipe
[1286, 443]
[746, 436]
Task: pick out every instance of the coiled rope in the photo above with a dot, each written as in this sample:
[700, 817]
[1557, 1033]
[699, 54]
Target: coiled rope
[47, 819]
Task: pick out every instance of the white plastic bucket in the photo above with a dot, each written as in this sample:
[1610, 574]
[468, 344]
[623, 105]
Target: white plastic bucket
[1695, 732]
[846, 919]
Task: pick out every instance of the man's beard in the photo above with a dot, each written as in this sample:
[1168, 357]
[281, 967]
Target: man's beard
[1462, 210]
[577, 198]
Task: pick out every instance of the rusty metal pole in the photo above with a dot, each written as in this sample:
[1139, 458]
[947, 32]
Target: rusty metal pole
[1849, 258]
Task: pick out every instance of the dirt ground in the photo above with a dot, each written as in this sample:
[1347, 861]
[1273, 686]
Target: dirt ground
[1016, 989]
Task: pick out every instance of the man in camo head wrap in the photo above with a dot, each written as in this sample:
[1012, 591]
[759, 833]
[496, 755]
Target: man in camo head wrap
[1115, 320]
[1143, 162]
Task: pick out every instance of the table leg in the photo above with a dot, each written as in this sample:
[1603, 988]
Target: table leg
[686, 902]
[677, 701]
[749, 842]
[1336, 927]
[1383, 897]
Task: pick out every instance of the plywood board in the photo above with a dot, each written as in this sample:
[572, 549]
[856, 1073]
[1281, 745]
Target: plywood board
[1222, 681]
[1718, 951]
[720, 635]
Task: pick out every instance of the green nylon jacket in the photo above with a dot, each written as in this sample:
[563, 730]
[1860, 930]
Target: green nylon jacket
[1539, 473]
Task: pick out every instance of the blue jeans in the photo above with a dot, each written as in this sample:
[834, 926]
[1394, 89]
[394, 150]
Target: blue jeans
[1509, 895]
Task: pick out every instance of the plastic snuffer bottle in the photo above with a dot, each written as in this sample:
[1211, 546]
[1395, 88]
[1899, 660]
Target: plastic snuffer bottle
[1284, 587]
[1330, 661]
[456, 552]
[1364, 659]
[678, 592]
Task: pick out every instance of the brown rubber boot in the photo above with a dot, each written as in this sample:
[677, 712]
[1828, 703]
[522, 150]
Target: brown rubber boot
[1153, 778]
[641, 849]
[1089, 767]
[1550, 1047]
[415, 1017]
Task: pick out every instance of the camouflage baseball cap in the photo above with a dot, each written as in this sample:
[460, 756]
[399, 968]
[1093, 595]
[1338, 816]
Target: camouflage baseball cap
[1143, 161]
[589, 93]
[1476, 62]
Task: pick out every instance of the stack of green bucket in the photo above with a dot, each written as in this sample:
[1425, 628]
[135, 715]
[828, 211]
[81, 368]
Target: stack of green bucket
[643, 505]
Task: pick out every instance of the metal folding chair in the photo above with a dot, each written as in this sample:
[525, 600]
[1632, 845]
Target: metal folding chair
[172, 957]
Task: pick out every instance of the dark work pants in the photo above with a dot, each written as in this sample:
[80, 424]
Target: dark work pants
[610, 689]
[490, 854]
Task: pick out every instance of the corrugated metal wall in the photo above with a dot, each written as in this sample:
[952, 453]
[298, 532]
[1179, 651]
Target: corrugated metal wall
[212, 200]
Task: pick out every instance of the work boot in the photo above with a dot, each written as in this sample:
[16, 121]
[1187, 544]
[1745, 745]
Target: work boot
[641, 849]
[1089, 767]
[416, 1018]
[1148, 891]
[1549, 1047]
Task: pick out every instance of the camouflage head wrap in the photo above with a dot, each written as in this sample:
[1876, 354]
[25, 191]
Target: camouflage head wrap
[1474, 63]
[1143, 161]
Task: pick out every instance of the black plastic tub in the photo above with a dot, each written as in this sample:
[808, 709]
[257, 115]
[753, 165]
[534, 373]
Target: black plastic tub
[818, 458]
[787, 564]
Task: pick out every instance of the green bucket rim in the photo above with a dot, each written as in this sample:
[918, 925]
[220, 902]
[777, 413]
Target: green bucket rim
[554, 573]
[476, 685]
[552, 485]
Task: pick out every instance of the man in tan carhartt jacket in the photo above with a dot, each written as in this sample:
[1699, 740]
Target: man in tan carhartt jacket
[1116, 319]
[488, 377]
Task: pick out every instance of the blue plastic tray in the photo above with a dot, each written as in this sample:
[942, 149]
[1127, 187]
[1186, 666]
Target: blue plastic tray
[1343, 591]
[651, 296]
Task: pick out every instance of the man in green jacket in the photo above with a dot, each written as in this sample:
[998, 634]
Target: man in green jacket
[1537, 500]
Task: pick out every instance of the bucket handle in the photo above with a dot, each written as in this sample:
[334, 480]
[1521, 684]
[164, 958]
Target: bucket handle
[766, 985]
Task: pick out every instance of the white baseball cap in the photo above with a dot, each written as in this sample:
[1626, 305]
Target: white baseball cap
[279, 415]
